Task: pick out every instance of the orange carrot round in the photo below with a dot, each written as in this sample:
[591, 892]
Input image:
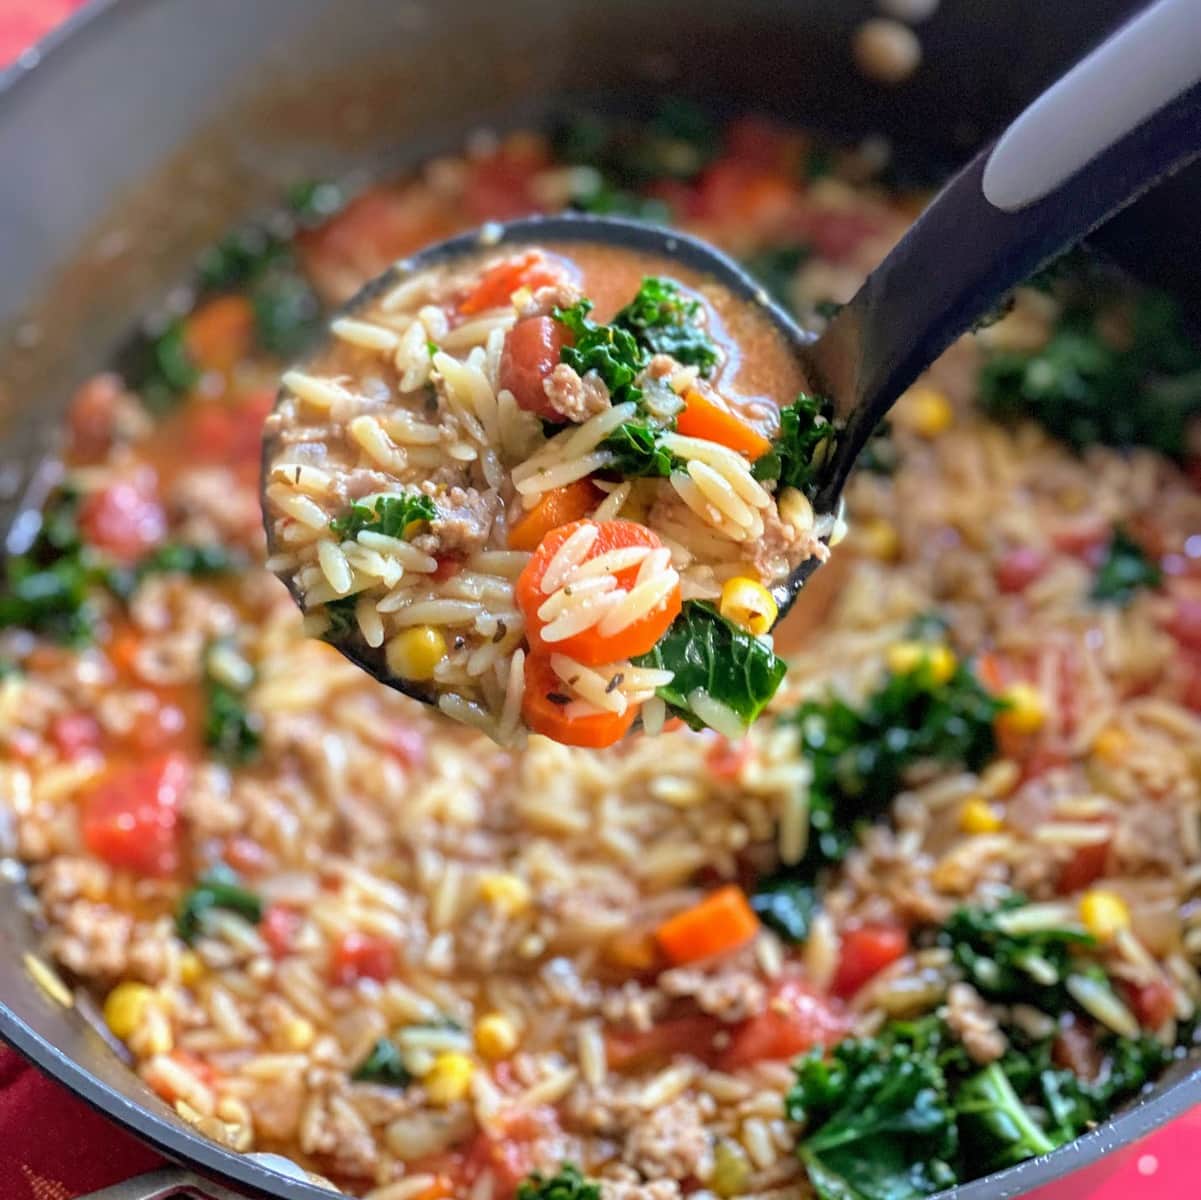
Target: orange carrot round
[704, 417]
[530, 269]
[544, 707]
[721, 922]
[220, 332]
[559, 506]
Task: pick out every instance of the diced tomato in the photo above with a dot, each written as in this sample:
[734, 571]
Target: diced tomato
[796, 1019]
[531, 352]
[165, 728]
[74, 734]
[164, 1082]
[245, 855]
[1018, 568]
[865, 952]
[93, 416]
[725, 759]
[279, 928]
[1153, 1003]
[229, 433]
[449, 565]
[762, 143]
[1082, 538]
[131, 818]
[1184, 624]
[836, 233]
[1086, 866]
[499, 186]
[362, 956]
[531, 269]
[760, 197]
[1190, 672]
[1075, 1047]
[510, 1153]
[632, 1050]
[125, 519]
[405, 743]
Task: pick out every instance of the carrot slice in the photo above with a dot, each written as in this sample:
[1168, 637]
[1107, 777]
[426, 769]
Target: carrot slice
[544, 708]
[721, 922]
[704, 417]
[590, 646]
[531, 269]
[220, 332]
[557, 507]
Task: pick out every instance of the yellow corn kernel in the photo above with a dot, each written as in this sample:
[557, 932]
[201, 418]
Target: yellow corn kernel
[942, 663]
[1104, 913]
[1026, 711]
[507, 893]
[731, 1170]
[878, 538]
[939, 660]
[126, 1007]
[414, 653]
[748, 603]
[929, 412]
[976, 815]
[1111, 745]
[297, 1033]
[448, 1079]
[496, 1036]
[191, 968]
[905, 657]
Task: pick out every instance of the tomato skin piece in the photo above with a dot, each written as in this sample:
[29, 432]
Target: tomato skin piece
[549, 717]
[1018, 568]
[1185, 622]
[279, 927]
[131, 818]
[510, 1154]
[531, 352]
[630, 1050]
[92, 417]
[74, 734]
[589, 647]
[866, 951]
[362, 956]
[230, 433]
[796, 1019]
[1085, 867]
[725, 759]
[125, 519]
[1153, 1003]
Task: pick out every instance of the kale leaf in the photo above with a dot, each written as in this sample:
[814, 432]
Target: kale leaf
[709, 653]
[238, 258]
[390, 515]
[184, 558]
[805, 438]
[996, 1128]
[231, 731]
[342, 621]
[609, 350]
[159, 368]
[639, 451]
[287, 313]
[602, 196]
[786, 903]
[859, 754]
[567, 1183]
[664, 321]
[1125, 569]
[218, 887]
[312, 201]
[1007, 956]
[383, 1065]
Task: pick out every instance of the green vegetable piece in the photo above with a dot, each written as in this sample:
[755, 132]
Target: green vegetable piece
[287, 313]
[219, 887]
[567, 1183]
[342, 621]
[390, 515]
[805, 438]
[314, 200]
[639, 451]
[786, 904]
[184, 558]
[1125, 569]
[612, 352]
[665, 321]
[238, 258]
[231, 731]
[384, 1066]
[995, 1127]
[706, 651]
[166, 371]
[605, 198]
[1008, 961]
[776, 269]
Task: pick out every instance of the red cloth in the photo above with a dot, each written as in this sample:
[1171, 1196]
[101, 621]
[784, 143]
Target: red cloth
[54, 1147]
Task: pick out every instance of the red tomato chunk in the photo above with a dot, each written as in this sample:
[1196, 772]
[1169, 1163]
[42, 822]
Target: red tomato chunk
[279, 928]
[131, 818]
[124, 519]
[796, 1019]
[531, 352]
[362, 956]
[865, 952]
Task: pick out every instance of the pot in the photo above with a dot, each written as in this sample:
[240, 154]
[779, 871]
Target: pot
[143, 128]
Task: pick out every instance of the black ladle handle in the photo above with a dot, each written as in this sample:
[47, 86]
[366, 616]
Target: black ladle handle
[1121, 120]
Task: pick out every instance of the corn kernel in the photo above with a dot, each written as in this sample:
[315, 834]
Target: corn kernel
[448, 1079]
[1111, 745]
[297, 1033]
[976, 815]
[731, 1169]
[496, 1036]
[191, 968]
[906, 657]
[414, 653]
[126, 1007]
[1104, 913]
[878, 538]
[1025, 712]
[748, 603]
[929, 412]
[942, 663]
[507, 893]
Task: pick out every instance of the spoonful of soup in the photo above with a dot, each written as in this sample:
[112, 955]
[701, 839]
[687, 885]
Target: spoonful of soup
[564, 474]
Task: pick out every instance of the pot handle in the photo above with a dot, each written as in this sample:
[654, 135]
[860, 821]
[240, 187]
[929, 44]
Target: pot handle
[167, 1183]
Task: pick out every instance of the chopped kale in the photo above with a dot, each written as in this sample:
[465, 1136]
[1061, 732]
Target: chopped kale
[314, 200]
[664, 321]
[776, 269]
[859, 755]
[391, 515]
[639, 451]
[805, 438]
[1125, 569]
[342, 621]
[609, 350]
[604, 198]
[1008, 956]
[567, 1183]
[711, 655]
[159, 368]
[287, 313]
[239, 258]
[996, 1128]
[231, 731]
[219, 887]
[383, 1065]
[184, 558]
[787, 904]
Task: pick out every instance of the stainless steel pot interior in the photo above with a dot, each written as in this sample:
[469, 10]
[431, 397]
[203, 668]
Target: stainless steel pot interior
[146, 126]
